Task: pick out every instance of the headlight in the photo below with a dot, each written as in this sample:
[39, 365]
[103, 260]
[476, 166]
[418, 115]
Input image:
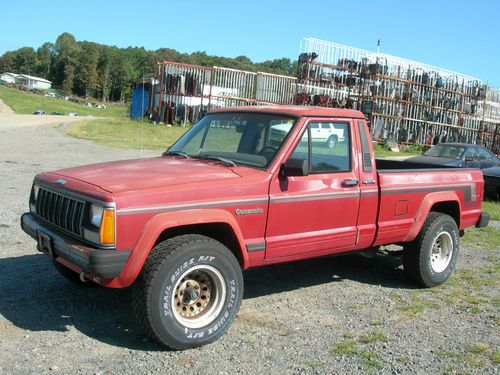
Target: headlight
[35, 192]
[96, 215]
[100, 225]
[34, 197]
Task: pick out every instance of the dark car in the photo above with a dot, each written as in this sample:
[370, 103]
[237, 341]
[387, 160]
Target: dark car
[39, 112]
[492, 182]
[457, 155]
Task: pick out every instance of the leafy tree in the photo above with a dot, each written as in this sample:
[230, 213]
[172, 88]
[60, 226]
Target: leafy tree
[107, 72]
[66, 50]
[44, 56]
[7, 62]
[24, 60]
[86, 78]
[103, 72]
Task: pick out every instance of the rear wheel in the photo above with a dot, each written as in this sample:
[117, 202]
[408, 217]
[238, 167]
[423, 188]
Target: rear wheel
[189, 291]
[332, 141]
[431, 258]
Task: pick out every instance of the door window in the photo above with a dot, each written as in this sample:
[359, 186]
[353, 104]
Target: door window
[321, 157]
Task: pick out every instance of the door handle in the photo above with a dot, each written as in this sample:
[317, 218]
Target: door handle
[348, 183]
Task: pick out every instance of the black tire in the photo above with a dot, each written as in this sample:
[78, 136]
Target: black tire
[72, 277]
[431, 258]
[189, 274]
[332, 141]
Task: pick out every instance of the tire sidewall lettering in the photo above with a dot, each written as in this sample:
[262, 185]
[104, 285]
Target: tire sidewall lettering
[227, 313]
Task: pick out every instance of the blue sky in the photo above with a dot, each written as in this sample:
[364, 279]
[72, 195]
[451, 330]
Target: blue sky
[463, 36]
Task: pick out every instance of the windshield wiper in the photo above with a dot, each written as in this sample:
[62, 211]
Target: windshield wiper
[176, 153]
[218, 158]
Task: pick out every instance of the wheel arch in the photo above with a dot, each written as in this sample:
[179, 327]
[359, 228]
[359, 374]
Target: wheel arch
[214, 223]
[444, 202]
[451, 208]
[219, 231]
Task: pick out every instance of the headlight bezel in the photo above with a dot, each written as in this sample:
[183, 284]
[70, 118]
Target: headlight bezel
[101, 224]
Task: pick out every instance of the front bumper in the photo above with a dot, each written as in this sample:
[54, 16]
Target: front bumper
[483, 220]
[106, 264]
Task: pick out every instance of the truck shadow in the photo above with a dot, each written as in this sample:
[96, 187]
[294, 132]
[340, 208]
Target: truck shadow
[34, 296]
[382, 270]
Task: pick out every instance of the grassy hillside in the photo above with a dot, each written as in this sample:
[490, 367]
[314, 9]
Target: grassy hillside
[126, 133]
[27, 102]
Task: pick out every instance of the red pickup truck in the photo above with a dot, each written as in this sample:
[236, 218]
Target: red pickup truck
[245, 187]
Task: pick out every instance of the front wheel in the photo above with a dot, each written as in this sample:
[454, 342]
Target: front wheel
[431, 258]
[189, 291]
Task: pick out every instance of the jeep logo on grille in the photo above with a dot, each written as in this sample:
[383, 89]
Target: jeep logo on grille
[61, 181]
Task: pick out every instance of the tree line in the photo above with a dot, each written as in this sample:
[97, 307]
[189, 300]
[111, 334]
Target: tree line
[107, 72]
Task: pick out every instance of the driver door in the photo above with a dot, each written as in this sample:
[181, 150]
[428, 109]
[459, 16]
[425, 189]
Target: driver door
[316, 213]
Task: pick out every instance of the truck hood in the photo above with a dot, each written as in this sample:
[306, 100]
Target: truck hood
[130, 175]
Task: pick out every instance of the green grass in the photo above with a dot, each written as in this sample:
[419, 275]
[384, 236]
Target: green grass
[486, 238]
[469, 291]
[382, 152]
[493, 208]
[373, 337]
[472, 355]
[313, 364]
[126, 133]
[416, 306]
[26, 103]
[351, 347]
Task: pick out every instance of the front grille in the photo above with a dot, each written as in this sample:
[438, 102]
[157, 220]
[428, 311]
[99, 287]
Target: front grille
[61, 211]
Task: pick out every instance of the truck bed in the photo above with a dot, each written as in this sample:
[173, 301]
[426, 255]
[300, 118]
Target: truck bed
[387, 164]
[408, 191]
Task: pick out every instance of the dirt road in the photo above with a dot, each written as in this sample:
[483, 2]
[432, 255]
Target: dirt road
[4, 108]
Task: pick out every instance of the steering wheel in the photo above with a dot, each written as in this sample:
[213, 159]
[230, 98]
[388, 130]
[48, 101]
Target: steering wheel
[268, 150]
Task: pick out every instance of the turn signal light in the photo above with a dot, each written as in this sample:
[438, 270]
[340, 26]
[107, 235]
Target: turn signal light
[107, 232]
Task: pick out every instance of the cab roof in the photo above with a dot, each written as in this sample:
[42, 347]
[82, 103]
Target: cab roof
[295, 110]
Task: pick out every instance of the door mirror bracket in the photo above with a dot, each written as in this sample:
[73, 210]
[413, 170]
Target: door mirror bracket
[295, 167]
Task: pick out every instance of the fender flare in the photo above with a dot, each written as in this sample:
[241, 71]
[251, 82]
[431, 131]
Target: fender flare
[158, 224]
[425, 207]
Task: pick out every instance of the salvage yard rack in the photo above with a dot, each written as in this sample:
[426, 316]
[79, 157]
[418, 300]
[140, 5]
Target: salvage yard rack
[191, 90]
[403, 100]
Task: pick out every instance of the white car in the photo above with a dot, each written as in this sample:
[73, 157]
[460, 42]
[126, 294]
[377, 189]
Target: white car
[324, 132]
[328, 132]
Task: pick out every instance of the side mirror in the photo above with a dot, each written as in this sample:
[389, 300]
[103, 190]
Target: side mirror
[295, 167]
[468, 158]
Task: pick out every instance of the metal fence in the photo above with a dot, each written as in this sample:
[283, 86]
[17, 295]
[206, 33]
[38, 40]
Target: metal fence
[185, 92]
[403, 100]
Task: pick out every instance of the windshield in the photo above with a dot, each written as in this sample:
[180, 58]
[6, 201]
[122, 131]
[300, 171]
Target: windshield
[250, 139]
[446, 151]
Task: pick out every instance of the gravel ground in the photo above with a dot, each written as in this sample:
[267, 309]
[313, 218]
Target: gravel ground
[341, 315]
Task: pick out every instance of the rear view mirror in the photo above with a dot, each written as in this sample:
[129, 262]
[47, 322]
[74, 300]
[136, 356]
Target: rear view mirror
[468, 158]
[295, 167]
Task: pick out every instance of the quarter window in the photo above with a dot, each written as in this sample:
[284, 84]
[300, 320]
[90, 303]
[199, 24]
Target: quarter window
[484, 155]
